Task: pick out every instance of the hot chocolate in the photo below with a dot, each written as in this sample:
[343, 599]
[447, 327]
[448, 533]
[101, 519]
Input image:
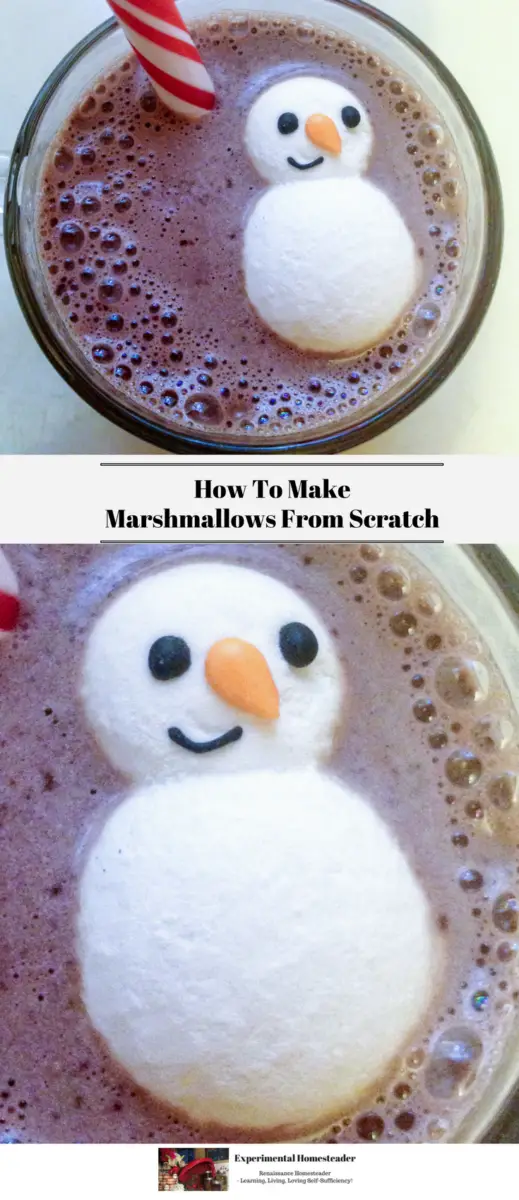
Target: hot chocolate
[147, 231]
[428, 737]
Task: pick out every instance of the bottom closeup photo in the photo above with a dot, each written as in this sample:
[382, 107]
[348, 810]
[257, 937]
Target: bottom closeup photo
[259, 812]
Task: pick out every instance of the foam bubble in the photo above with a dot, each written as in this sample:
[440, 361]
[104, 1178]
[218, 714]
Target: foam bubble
[393, 583]
[462, 682]
[463, 768]
[503, 789]
[493, 733]
[505, 913]
[424, 711]
[429, 604]
[453, 1064]
[370, 1127]
[403, 623]
[471, 880]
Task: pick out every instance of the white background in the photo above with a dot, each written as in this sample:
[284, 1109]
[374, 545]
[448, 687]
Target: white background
[406, 1172]
[475, 498]
[476, 410]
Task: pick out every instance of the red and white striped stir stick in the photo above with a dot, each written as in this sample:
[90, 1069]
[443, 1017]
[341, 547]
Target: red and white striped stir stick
[167, 52]
[9, 602]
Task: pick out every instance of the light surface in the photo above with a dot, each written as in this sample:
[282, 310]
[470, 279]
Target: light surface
[475, 411]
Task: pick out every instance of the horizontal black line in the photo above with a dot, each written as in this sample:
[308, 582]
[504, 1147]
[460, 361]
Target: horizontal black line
[272, 463]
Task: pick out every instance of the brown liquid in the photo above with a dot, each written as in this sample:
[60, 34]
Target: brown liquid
[57, 1082]
[141, 221]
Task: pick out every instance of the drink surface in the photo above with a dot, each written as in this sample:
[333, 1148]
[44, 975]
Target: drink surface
[141, 226]
[429, 737]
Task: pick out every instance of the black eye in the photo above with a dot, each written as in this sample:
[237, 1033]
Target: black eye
[350, 116]
[168, 658]
[298, 644]
[288, 123]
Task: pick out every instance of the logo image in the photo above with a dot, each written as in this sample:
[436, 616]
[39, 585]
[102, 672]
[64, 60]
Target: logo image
[194, 1169]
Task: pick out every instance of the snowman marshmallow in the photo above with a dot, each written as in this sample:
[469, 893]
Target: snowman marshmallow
[329, 263]
[254, 947]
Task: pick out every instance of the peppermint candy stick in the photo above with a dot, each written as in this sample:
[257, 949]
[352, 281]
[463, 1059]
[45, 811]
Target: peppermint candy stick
[166, 50]
[9, 602]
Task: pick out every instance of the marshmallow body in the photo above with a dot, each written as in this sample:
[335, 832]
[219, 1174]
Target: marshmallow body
[329, 265]
[255, 949]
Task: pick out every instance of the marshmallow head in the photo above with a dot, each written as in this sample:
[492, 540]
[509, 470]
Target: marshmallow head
[308, 128]
[206, 666]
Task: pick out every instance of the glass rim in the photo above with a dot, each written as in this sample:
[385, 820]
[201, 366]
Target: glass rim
[177, 441]
[502, 575]
[502, 572]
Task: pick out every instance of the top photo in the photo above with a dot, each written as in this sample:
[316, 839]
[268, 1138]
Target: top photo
[262, 229]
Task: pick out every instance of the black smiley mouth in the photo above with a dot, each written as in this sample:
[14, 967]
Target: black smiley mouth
[305, 166]
[187, 743]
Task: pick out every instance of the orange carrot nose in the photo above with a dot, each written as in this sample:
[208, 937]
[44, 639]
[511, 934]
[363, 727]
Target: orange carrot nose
[240, 675]
[324, 134]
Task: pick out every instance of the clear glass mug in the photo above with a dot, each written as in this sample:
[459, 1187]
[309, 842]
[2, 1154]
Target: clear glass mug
[363, 23]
